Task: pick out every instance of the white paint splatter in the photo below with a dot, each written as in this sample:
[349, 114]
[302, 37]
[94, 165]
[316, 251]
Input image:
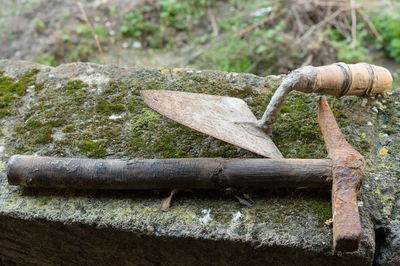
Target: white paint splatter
[207, 217]
[236, 217]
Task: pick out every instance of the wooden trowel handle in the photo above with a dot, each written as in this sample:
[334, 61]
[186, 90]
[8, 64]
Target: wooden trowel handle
[341, 79]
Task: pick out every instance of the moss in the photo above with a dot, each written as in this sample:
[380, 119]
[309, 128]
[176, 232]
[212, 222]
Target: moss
[107, 108]
[44, 138]
[323, 209]
[166, 145]
[93, 149]
[28, 79]
[38, 132]
[39, 86]
[75, 85]
[42, 135]
[6, 100]
[33, 124]
[296, 132]
[57, 122]
[20, 130]
[69, 128]
[11, 90]
[147, 119]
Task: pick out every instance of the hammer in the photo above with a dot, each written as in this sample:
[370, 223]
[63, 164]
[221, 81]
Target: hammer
[344, 171]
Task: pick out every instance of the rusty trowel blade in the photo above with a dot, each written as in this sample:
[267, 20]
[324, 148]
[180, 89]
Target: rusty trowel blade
[225, 118]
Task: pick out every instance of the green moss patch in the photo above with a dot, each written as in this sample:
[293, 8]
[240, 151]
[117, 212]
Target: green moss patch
[57, 122]
[107, 108]
[93, 149]
[10, 90]
[75, 85]
[323, 209]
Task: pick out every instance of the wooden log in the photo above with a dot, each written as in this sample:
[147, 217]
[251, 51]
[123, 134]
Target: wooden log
[198, 173]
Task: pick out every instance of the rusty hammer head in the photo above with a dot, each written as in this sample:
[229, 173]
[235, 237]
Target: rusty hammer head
[348, 168]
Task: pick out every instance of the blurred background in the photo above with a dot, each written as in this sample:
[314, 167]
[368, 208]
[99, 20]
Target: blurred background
[259, 36]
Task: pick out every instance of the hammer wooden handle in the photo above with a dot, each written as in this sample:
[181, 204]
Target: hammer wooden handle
[341, 79]
[201, 173]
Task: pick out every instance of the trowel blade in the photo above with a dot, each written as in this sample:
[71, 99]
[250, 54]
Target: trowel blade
[225, 118]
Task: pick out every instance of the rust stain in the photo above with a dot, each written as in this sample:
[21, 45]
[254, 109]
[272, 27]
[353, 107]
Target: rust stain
[348, 169]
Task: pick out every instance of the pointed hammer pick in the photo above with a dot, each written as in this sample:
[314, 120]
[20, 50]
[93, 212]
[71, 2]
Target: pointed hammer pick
[348, 168]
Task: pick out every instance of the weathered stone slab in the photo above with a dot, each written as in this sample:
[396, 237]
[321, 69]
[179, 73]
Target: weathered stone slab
[88, 110]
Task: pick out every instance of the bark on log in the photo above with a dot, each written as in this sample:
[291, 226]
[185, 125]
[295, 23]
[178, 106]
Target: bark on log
[199, 173]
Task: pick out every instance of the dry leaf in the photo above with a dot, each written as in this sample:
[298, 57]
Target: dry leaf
[166, 202]
[249, 203]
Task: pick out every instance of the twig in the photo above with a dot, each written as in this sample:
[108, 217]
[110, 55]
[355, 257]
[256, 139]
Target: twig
[370, 25]
[346, 23]
[353, 25]
[261, 22]
[213, 22]
[92, 30]
[308, 60]
[298, 20]
[342, 29]
[319, 24]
